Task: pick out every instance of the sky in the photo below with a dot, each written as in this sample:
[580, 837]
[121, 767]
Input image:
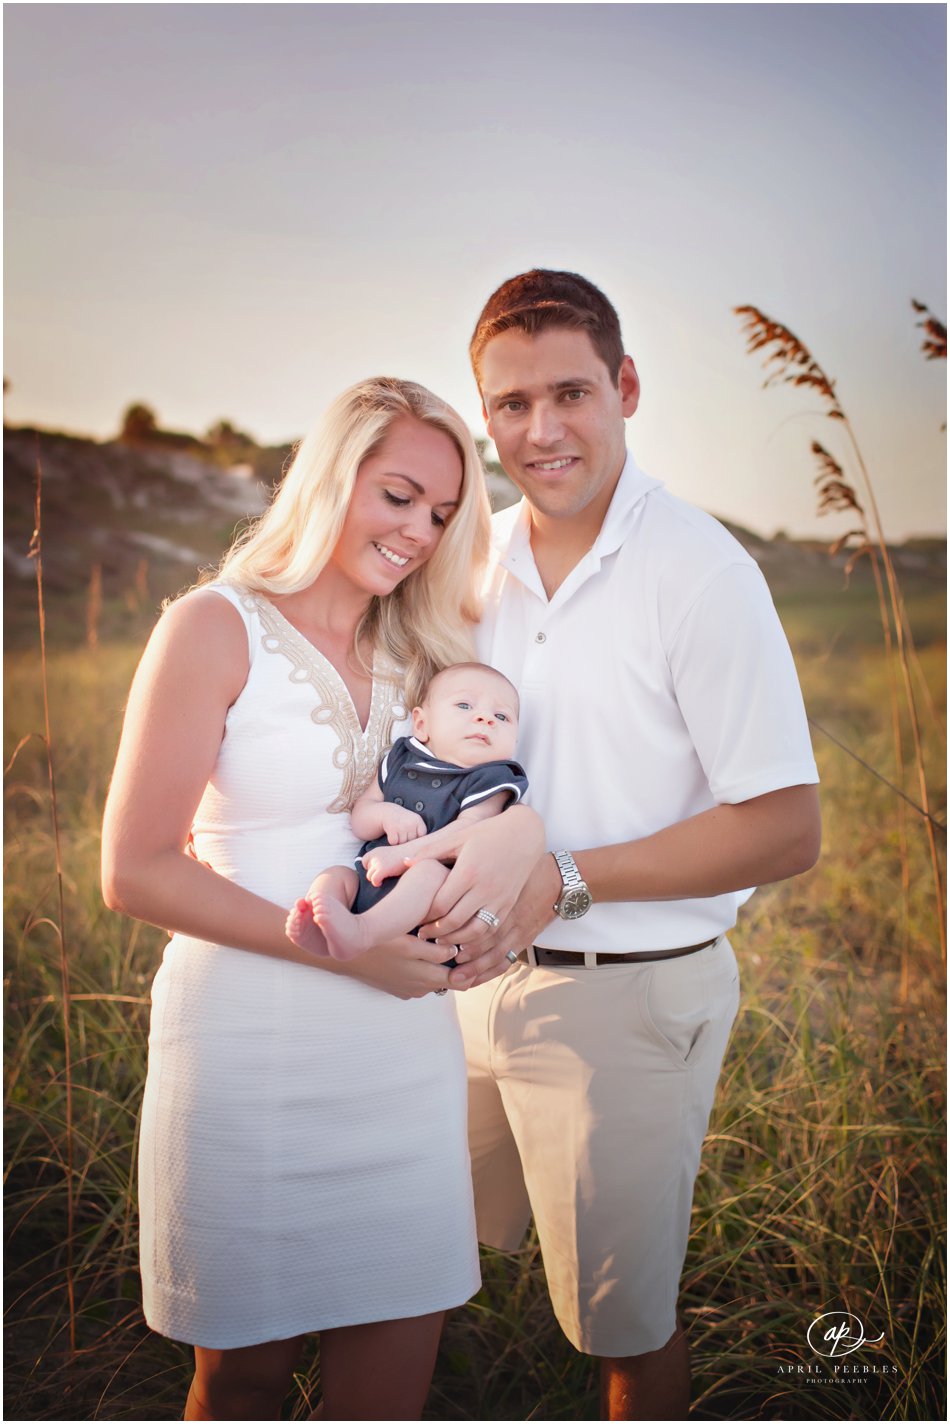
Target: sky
[234, 211]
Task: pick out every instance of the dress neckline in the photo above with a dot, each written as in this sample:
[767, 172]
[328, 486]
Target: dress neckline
[312, 649]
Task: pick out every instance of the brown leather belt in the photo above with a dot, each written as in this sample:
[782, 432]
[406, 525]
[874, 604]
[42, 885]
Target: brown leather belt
[556, 957]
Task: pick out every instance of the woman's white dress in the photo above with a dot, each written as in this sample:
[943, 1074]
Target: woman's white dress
[303, 1160]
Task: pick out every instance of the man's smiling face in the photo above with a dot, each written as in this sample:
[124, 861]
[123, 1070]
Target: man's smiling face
[557, 418]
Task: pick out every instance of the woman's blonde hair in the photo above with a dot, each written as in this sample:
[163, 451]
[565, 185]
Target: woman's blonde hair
[425, 623]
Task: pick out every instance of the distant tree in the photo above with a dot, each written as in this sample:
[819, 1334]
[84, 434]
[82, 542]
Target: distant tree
[494, 467]
[139, 424]
[223, 436]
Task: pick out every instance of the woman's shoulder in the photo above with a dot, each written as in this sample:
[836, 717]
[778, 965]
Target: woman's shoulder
[200, 645]
[209, 618]
[218, 593]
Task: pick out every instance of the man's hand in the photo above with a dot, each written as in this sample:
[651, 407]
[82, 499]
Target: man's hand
[490, 872]
[400, 825]
[502, 868]
[532, 911]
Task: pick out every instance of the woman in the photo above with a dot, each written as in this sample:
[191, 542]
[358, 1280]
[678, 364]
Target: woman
[303, 1163]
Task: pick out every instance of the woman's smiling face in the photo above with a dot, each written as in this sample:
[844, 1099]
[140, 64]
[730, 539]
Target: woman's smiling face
[404, 495]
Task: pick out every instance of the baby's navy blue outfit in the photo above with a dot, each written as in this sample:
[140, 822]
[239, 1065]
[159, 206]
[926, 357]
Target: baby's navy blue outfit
[409, 775]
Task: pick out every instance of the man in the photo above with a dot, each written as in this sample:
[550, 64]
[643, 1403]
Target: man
[666, 744]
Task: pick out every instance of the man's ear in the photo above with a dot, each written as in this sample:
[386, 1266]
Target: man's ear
[629, 384]
[420, 728]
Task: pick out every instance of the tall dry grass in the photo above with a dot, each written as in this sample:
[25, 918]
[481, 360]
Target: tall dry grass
[788, 361]
[822, 1180]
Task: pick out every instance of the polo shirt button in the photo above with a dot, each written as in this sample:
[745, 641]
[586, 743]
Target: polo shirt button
[412, 775]
[540, 638]
[436, 781]
[397, 800]
[420, 805]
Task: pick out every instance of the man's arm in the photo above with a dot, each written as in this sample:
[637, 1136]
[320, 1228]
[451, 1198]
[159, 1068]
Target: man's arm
[726, 848]
[735, 687]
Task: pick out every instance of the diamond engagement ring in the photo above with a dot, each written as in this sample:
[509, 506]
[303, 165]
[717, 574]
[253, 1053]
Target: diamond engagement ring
[487, 918]
[512, 957]
[443, 990]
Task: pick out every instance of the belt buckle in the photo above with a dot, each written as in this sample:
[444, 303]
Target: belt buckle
[582, 959]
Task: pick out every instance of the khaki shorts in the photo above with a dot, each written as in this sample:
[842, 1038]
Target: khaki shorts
[589, 1097]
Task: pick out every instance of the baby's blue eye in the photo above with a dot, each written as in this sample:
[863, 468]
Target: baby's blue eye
[501, 716]
[464, 706]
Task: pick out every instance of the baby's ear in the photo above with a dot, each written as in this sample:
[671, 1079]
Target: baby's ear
[420, 728]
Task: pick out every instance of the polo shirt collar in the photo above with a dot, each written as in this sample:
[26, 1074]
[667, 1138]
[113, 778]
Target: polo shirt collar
[513, 539]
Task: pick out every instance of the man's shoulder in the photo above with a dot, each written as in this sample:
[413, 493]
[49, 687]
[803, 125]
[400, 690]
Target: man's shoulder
[675, 554]
[676, 530]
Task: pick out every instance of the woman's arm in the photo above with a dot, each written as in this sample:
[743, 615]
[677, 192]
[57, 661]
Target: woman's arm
[193, 668]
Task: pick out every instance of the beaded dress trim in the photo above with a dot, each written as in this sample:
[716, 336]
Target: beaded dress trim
[358, 753]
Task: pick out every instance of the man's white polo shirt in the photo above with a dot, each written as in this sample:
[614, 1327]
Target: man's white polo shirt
[657, 682]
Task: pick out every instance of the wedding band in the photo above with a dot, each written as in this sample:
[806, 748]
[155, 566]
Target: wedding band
[487, 917]
[512, 957]
[443, 990]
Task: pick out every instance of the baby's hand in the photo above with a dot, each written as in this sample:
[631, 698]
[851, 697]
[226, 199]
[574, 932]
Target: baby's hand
[401, 825]
[383, 862]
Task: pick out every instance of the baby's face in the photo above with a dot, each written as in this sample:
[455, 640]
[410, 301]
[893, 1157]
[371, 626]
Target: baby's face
[469, 717]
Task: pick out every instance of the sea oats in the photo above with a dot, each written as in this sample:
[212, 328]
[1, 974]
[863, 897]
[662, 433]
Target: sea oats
[834, 490]
[934, 344]
[794, 364]
[788, 361]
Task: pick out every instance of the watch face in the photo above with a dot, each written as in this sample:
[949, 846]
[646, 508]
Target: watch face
[574, 903]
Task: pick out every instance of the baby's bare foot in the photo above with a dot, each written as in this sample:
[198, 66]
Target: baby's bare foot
[302, 931]
[344, 932]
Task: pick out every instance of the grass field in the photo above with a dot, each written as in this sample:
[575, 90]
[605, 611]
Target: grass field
[822, 1186]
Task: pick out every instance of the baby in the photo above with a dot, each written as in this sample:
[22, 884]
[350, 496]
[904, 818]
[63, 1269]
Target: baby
[456, 768]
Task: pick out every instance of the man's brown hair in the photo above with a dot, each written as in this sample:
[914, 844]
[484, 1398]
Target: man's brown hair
[540, 299]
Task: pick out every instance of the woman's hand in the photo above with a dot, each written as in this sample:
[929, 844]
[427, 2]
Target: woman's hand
[407, 967]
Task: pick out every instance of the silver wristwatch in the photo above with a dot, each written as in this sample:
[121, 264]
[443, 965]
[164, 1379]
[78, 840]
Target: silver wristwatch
[575, 899]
